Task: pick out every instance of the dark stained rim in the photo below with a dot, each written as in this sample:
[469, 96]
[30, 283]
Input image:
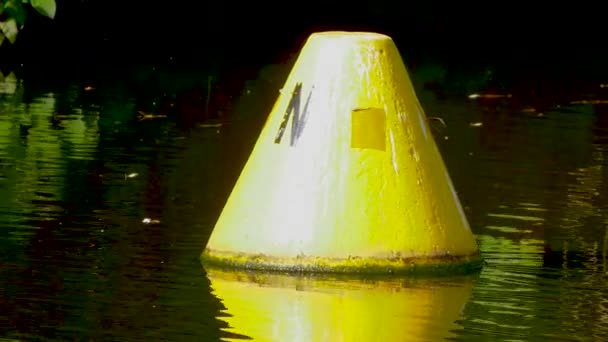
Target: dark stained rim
[435, 265]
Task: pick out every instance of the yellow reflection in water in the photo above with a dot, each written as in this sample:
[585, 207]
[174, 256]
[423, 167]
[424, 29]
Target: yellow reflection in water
[290, 308]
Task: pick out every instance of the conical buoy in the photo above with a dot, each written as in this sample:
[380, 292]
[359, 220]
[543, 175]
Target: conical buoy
[345, 175]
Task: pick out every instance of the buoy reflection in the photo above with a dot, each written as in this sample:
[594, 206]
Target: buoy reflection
[271, 307]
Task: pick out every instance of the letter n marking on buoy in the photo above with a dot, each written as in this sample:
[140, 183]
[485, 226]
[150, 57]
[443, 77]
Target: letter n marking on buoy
[299, 118]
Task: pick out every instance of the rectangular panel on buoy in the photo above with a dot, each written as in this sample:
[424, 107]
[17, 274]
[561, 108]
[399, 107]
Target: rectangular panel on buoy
[368, 128]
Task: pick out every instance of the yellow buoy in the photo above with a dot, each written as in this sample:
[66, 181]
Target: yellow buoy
[275, 307]
[345, 175]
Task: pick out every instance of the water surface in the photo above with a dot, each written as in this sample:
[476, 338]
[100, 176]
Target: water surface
[103, 216]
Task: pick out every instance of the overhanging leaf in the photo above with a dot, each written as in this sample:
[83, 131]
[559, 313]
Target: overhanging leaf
[47, 8]
[14, 9]
[9, 28]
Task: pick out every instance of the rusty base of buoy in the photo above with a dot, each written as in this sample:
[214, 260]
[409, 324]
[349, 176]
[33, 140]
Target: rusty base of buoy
[432, 265]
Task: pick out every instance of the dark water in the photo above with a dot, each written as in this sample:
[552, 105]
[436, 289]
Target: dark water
[103, 216]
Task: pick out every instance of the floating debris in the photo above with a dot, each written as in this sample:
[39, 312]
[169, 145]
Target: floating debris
[148, 220]
[436, 118]
[132, 175]
[211, 125]
[589, 102]
[89, 88]
[476, 124]
[489, 96]
[146, 116]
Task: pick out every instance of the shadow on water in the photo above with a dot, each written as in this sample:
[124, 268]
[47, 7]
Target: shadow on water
[103, 213]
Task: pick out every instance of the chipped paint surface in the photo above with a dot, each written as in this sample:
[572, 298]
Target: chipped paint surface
[394, 153]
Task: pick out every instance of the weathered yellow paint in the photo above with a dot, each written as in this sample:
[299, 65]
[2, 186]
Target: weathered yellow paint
[319, 193]
[283, 308]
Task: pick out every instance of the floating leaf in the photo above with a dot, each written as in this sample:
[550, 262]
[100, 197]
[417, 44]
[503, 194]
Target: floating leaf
[9, 29]
[47, 8]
